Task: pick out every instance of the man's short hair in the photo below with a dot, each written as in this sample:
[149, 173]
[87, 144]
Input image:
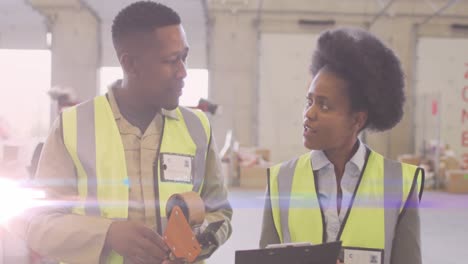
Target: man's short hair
[142, 17]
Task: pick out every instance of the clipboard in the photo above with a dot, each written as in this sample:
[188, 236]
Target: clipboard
[326, 253]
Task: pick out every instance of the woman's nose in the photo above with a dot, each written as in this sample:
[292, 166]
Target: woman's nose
[310, 112]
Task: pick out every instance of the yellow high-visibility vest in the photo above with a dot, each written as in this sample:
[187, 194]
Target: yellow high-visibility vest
[93, 141]
[381, 194]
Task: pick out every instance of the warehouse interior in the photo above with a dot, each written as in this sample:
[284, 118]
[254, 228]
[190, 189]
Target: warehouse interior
[248, 70]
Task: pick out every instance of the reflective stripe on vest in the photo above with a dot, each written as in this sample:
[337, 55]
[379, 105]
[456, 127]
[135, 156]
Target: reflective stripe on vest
[177, 138]
[298, 216]
[90, 138]
[93, 141]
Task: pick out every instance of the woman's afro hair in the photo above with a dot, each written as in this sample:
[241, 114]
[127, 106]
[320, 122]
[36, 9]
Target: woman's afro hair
[373, 73]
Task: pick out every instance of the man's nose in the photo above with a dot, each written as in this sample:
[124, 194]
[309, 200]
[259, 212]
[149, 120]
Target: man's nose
[181, 69]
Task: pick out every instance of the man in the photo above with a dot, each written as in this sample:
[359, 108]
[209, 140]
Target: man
[112, 158]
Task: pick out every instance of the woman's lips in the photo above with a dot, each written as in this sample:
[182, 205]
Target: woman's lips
[308, 131]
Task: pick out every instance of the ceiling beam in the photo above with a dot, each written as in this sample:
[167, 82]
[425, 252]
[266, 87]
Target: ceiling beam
[381, 12]
[56, 4]
[431, 4]
[438, 12]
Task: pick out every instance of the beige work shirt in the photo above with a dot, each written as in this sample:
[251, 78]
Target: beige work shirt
[59, 234]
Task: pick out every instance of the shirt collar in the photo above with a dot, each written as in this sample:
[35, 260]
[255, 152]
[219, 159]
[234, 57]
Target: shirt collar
[115, 108]
[359, 158]
[320, 160]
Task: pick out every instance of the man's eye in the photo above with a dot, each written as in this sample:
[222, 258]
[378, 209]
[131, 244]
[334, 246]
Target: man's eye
[171, 60]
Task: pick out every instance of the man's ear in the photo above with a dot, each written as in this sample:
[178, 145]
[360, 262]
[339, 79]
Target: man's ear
[129, 63]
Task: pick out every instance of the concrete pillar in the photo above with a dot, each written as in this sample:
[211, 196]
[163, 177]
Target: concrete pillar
[233, 59]
[75, 46]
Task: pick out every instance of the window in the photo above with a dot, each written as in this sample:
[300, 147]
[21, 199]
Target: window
[196, 84]
[108, 75]
[24, 102]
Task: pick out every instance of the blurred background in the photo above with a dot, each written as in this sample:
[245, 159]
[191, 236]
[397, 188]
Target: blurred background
[248, 69]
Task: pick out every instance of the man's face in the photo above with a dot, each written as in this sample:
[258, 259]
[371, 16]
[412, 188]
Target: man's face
[161, 67]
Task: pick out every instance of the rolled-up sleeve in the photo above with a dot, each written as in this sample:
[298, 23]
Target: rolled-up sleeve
[215, 195]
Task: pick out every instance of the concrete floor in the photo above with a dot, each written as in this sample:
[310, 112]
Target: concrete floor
[444, 227]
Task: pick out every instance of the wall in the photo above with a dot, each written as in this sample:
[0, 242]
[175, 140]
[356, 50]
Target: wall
[236, 28]
[284, 81]
[441, 86]
[234, 32]
[26, 33]
[75, 46]
[233, 75]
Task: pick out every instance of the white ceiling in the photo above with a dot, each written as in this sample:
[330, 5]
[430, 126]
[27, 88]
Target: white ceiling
[107, 9]
[20, 25]
[191, 12]
[15, 12]
[23, 27]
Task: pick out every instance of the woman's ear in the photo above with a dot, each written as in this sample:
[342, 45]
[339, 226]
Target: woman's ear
[360, 120]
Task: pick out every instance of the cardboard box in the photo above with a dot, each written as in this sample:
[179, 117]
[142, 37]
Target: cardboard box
[10, 153]
[446, 164]
[457, 181]
[409, 159]
[450, 163]
[254, 152]
[253, 177]
[264, 153]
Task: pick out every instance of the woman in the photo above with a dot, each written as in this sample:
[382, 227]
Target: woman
[342, 190]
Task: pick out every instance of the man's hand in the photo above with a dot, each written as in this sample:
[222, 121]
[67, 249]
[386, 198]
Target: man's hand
[177, 261]
[136, 243]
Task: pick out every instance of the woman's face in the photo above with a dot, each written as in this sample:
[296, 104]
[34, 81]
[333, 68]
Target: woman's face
[329, 122]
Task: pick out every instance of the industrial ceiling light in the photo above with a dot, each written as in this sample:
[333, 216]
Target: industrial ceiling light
[309, 22]
[457, 26]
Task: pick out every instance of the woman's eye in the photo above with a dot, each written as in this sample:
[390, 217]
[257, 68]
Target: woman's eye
[324, 107]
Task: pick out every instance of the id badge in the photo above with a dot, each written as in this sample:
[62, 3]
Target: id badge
[354, 255]
[176, 168]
